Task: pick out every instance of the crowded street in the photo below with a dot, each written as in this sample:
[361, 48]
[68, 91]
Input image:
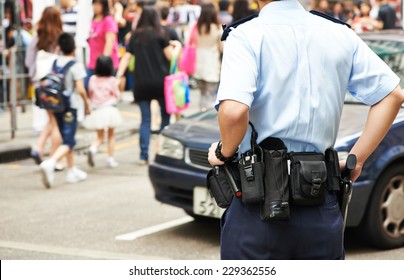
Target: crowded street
[111, 215]
[113, 112]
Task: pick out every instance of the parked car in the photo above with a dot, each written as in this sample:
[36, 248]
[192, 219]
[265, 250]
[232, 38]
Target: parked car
[178, 174]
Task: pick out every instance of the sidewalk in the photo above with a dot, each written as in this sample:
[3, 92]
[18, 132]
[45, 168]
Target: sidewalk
[25, 138]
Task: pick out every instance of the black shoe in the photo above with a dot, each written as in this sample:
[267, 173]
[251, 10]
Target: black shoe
[36, 157]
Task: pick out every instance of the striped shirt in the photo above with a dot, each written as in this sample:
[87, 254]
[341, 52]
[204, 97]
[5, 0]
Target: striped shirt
[69, 19]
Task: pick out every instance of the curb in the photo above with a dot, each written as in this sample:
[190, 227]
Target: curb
[16, 152]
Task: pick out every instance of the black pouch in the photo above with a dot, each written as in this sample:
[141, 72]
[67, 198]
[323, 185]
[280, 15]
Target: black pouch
[276, 201]
[251, 168]
[222, 187]
[308, 175]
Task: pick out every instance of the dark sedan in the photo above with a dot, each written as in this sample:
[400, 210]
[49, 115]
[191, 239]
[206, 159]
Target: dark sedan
[377, 207]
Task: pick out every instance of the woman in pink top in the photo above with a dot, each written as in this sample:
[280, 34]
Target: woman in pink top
[104, 95]
[103, 38]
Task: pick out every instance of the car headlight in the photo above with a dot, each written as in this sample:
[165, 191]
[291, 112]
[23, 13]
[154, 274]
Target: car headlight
[170, 147]
[342, 155]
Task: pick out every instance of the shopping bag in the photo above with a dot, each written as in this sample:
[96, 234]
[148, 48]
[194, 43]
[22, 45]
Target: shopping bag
[188, 53]
[176, 89]
[188, 59]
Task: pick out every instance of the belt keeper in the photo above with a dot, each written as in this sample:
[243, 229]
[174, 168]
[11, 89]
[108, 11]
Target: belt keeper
[316, 182]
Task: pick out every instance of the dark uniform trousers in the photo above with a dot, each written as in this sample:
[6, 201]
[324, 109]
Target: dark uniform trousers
[311, 233]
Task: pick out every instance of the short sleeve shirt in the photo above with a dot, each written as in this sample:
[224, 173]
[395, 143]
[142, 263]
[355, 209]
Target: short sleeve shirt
[151, 64]
[75, 73]
[97, 40]
[293, 70]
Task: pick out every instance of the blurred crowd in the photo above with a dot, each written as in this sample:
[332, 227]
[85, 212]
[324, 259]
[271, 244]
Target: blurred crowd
[363, 16]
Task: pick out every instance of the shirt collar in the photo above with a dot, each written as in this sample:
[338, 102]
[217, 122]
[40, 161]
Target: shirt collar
[282, 5]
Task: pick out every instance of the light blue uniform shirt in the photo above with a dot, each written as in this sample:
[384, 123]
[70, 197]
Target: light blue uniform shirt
[293, 70]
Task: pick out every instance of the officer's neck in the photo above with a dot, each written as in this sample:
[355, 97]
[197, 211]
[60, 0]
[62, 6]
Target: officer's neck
[263, 3]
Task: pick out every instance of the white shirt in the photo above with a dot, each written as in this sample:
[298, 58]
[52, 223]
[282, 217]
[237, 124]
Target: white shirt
[293, 70]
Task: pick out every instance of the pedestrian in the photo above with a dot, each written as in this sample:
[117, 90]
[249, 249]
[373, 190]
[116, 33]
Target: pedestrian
[103, 38]
[104, 95]
[241, 9]
[364, 22]
[225, 10]
[67, 120]
[387, 15]
[48, 29]
[153, 51]
[208, 53]
[279, 73]
[69, 11]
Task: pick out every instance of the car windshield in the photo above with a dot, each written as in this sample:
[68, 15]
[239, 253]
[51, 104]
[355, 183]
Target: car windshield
[392, 52]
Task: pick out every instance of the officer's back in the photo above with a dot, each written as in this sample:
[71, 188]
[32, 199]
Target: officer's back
[303, 65]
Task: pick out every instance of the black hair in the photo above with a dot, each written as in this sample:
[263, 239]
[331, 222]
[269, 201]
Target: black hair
[66, 43]
[240, 9]
[164, 11]
[207, 17]
[105, 7]
[104, 66]
[224, 5]
[150, 18]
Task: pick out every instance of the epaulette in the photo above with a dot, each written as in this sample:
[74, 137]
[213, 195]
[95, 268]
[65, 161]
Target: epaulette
[228, 29]
[317, 13]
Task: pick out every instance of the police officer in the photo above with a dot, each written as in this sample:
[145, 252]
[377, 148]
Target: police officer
[287, 71]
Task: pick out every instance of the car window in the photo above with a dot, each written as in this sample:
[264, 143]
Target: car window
[392, 53]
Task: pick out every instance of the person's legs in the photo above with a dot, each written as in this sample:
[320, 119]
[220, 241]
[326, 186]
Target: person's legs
[55, 134]
[165, 117]
[111, 147]
[46, 133]
[245, 236]
[144, 129]
[211, 93]
[111, 141]
[321, 234]
[92, 151]
[156, 119]
[203, 100]
[67, 123]
[310, 233]
[90, 72]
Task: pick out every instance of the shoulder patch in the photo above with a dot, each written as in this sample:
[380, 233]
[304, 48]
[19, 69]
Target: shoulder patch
[330, 18]
[228, 29]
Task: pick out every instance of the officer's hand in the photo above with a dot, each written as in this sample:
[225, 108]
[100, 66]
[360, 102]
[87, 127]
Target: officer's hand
[213, 160]
[355, 173]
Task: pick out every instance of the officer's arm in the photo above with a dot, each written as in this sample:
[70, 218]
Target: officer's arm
[233, 124]
[380, 119]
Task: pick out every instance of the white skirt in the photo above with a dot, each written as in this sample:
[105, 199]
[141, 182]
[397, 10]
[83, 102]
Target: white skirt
[103, 117]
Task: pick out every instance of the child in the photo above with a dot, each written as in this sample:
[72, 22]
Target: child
[104, 95]
[67, 120]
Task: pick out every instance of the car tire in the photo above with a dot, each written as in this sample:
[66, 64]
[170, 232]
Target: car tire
[383, 224]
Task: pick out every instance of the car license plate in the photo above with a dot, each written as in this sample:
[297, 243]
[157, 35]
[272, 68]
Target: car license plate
[205, 205]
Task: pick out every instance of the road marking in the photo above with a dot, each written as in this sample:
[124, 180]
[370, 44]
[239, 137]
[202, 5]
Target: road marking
[13, 166]
[153, 229]
[77, 252]
[131, 115]
[121, 145]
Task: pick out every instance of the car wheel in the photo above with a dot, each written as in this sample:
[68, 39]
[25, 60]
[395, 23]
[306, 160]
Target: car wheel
[383, 226]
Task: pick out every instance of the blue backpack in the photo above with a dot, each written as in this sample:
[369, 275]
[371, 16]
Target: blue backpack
[51, 93]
